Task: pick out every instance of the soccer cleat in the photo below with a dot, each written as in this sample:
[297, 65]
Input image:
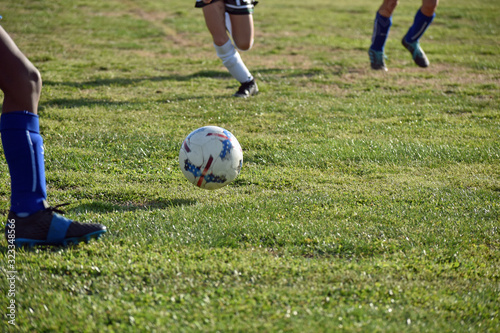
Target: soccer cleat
[247, 89]
[377, 60]
[417, 53]
[47, 227]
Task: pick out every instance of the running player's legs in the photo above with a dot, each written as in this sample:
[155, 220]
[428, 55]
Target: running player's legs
[240, 26]
[20, 81]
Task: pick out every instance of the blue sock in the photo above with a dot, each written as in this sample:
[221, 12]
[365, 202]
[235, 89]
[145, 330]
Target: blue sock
[420, 24]
[23, 149]
[380, 32]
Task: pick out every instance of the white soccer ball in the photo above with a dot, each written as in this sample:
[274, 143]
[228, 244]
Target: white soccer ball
[210, 157]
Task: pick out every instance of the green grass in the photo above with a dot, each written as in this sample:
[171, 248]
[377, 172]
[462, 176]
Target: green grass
[367, 202]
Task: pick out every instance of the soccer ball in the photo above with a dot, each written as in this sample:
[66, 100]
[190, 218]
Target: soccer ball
[210, 157]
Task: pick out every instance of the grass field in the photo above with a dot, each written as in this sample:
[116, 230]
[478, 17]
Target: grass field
[367, 202]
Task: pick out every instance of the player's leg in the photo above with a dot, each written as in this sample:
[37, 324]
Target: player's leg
[242, 31]
[214, 14]
[30, 220]
[216, 23]
[20, 80]
[424, 17]
[381, 28]
[21, 84]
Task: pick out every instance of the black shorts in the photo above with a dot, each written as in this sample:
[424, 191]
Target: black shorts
[235, 7]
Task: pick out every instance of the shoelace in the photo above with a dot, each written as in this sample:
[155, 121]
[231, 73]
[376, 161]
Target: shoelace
[56, 208]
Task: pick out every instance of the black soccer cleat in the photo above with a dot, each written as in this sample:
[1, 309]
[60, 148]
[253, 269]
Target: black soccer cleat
[47, 227]
[247, 89]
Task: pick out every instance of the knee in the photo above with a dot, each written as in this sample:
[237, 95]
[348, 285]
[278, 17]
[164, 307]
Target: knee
[31, 84]
[34, 81]
[220, 40]
[245, 45]
[388, 7]
[27, 79]
[25, 86]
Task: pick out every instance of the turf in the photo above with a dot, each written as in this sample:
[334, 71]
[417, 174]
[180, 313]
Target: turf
[367, 202]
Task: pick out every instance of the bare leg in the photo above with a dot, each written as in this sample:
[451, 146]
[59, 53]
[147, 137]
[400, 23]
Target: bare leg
[388, 7]
[215, 20]
[429, 7]
[243, 32]
[20, 81]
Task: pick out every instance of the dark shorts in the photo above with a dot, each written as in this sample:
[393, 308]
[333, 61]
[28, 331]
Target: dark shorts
[235, 7]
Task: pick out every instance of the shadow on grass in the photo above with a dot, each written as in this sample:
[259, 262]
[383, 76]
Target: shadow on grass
[125, 82]
[163, 96]
[69, 103]
[107, 207]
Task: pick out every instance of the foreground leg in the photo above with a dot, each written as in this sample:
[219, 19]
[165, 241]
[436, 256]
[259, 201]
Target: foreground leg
[23, 146]
[31, 221]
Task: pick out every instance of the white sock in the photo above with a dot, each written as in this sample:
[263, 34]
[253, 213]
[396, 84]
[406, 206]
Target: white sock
[232, 60]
